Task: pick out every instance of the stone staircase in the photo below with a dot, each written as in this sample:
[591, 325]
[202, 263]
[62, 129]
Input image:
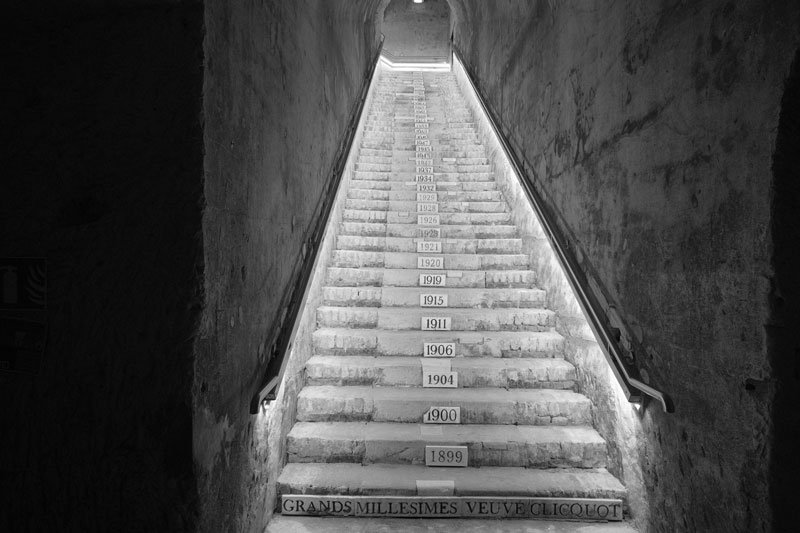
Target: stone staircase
[423, 208]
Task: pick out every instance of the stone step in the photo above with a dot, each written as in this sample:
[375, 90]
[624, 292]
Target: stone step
[410, 185]
[461, 175]
[375, 159]
[410, 195]
[456, 297]
[445, 135]
[490, 481]
[334, 524]
[373, 167]
[448, 246]
[356, 259]
[398, 277]
[405, 165]
[411, 318]
[487, 445]
[376, 152]
[388, 371]
[450, 231]
[376, 342]
[325, 403]
[444, 205]
[404, 148]
[472, 157]
[410, 217]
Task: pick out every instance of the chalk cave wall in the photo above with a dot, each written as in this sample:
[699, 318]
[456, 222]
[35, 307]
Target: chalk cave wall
[649, 128]
[281, 83]
[416, 30]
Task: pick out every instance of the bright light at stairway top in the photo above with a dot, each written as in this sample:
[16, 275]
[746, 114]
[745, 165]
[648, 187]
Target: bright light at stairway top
[418, 1]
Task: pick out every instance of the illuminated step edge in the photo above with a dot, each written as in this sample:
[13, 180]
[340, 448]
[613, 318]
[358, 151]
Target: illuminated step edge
[453, 231]
[401, 277]
[391, 260]
[540, 407]
[460, 319]
[452, 507]
[488, 445]
[418, 245]
[465, 297]
[473, 372]
[373, 341]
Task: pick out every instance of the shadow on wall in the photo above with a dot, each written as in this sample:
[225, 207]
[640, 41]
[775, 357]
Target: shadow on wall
[416, 30]
[782, 338]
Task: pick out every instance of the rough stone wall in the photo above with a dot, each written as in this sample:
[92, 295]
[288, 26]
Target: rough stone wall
[101, 156]
[648, 127]
[416, 30]
[281, 84]
[613, 415]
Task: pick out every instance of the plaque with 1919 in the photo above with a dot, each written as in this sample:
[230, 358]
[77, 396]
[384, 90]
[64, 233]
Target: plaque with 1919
[432, 280]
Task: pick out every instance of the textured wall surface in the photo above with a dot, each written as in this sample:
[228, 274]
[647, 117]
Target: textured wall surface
[101, 156]
[649, 129]
[417, 30]
[613, 416]
[282, 79]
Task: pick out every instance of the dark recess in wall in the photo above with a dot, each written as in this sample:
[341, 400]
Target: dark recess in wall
[101, 157]
[783, 336]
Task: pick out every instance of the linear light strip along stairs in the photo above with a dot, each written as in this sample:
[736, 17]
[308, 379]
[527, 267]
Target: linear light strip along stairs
[423, 209]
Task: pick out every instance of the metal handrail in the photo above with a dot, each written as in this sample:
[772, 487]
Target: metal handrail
[288, 322]
[626, 373]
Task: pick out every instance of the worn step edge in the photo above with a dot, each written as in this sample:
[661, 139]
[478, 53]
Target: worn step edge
[487, 445]
[335, 524]
[378, 342]
[462, 319]
[325, 403]
[384, 371]
[383, 479]
[409, 277]
[458, 297]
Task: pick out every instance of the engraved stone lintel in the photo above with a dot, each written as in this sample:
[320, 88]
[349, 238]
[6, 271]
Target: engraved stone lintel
[603, 509]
